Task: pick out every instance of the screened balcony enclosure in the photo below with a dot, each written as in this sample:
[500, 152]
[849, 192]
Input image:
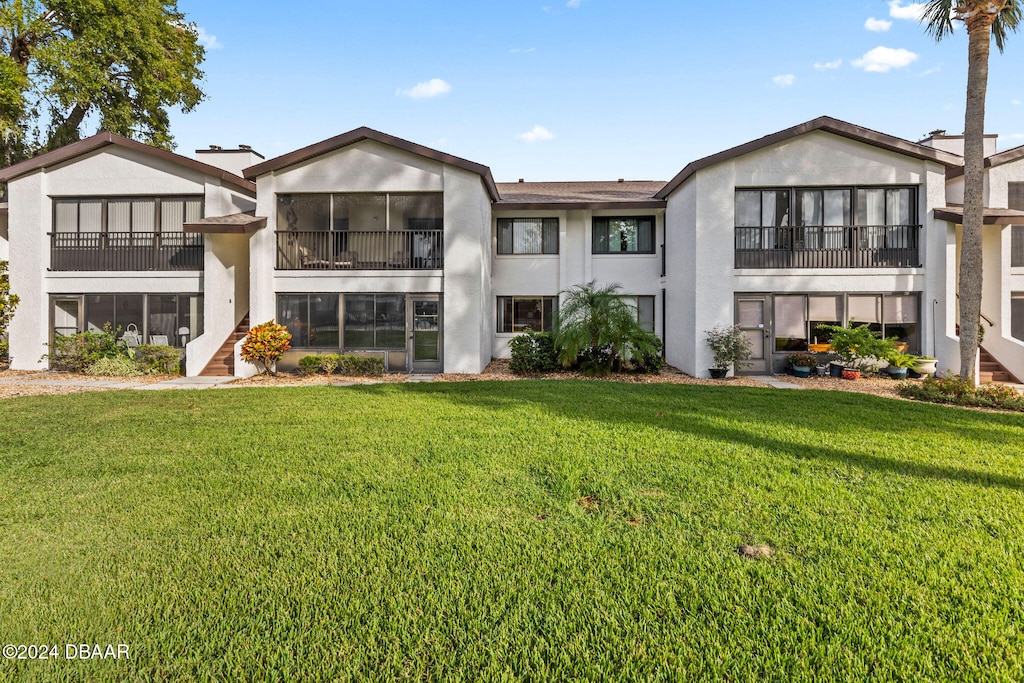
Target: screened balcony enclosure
[360, 231]
[827, 228]
[125, 234]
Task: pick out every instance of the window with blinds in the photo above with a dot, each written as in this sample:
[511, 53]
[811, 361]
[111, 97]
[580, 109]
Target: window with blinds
[527, 236]
[128, 215]
[1016, 201]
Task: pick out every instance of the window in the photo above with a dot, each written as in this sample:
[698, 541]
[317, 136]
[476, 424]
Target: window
[312, 319]
[631, 235]
[798, 319]
[644, 306]
[374, 321]
[1016, 201]
[1017, 315]
[527, 235]
[126, 216]
[178, 317]
[517, 313]
[361, 212]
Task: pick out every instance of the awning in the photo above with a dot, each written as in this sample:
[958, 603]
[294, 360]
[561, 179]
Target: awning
[236, 223]
[955, 214]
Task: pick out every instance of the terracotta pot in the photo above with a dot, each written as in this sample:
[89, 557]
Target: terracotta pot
[851, 374]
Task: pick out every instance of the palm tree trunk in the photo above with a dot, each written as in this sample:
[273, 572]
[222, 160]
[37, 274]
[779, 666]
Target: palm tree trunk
[970, 276]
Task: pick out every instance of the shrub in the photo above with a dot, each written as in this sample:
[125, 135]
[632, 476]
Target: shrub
[76, 352]
[155, 359]
[959, 391]
[8, 302]
[802, 360]
[858, 347]
[329, 363]
[729, 345]
[116, 366]
[650, 360]
[355, 366]
[309, 365]
[265, 344]
[533, 352]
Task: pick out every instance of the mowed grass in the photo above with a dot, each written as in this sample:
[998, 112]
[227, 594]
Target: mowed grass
[529, 530]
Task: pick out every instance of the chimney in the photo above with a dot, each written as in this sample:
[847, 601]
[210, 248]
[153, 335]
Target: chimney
[230, 160]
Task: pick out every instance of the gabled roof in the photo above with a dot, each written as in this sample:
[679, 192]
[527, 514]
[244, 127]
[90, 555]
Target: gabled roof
[1012, 154]
[822, 123]
[626, 194]
[100, 140]
[364, 133]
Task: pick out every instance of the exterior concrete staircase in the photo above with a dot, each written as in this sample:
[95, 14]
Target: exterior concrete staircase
[223, 362]
[992, 371]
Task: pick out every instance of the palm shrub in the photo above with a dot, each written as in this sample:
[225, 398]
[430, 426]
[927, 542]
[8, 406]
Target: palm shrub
[265, 345]
[597, 329]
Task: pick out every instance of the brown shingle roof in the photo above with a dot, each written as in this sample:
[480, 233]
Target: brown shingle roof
[364, 133]
[1012, 154]
[100, 140]
[954, 213]
[828, 125]
[638, 194]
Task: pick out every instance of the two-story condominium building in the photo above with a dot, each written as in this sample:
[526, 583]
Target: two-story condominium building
[369, 244]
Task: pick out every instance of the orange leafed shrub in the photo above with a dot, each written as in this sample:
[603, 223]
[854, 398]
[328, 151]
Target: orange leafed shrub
[265, 344]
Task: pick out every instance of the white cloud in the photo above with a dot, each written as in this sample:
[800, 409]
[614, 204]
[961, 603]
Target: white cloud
[536, 135]
[574, 4]
[426, 89]
[207, 40]
[521, 50]
[825, 66]
[1017, 136]
[878, 25]
[914, 10]
[1015, 102]
[784, 80]
[882, 59]
[933, 70]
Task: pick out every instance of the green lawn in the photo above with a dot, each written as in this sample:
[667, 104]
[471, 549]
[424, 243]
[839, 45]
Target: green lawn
[537, 530]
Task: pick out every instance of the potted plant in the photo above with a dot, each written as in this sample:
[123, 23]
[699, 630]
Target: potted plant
[802, 363]
[858, 348]
[730, 347]
[899, 363]
[925, 366]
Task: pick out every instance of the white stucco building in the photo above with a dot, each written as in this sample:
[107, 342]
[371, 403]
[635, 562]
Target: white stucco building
[369, 244]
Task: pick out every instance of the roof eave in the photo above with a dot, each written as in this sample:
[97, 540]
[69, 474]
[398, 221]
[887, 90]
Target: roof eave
[505, 205]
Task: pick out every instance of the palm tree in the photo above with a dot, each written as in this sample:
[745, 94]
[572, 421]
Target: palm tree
[984, 19]
[597, 325]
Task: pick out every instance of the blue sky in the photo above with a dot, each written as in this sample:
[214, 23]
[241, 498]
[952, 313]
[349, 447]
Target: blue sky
[579, 89]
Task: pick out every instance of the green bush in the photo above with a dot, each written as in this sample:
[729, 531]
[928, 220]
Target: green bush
[344, 364]
[76, 352]
[309, 365]
[116, 366]
[156, 359]
[956, 390]
[533, 352]
[650, 359]
[360, 366]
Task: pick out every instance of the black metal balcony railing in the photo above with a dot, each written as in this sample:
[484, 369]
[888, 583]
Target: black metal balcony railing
[845, 246]
[360, 250]
[120, 251]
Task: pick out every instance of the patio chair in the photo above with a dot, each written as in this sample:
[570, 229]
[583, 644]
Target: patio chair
[310, 261]
[347, 259]
[399, 259]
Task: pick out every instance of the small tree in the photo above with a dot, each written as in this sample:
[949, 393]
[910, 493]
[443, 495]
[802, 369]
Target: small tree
[265, 344]
[729, 345]
[8, 302]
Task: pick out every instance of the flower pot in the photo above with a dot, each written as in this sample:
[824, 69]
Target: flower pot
[897, 373]
[835, 370]
[822, 370]
[926, 366]
[801, 372]
[848, 373]
[913, 374]
[718, 373]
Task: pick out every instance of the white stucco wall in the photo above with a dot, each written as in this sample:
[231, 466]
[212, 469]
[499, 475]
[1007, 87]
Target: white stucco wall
[109, 171]
[225, 299]
[814, 159]
[5, 248]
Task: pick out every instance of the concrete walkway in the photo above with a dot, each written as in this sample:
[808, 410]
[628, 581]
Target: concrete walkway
[185, 383]
[774, 383]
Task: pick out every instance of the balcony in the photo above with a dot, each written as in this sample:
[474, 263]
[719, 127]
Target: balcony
[848, 246]
[123, 251]
[360, 249]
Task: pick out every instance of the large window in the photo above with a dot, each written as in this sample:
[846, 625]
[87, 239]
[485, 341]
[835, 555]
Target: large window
[626, 235]
[799, 319]
[171, 319]
[361, 212]
[354, 322]
[125, 215]
[518, 313]
[374, 321]
[312, 319]
[527, 235]
[1016, 201]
